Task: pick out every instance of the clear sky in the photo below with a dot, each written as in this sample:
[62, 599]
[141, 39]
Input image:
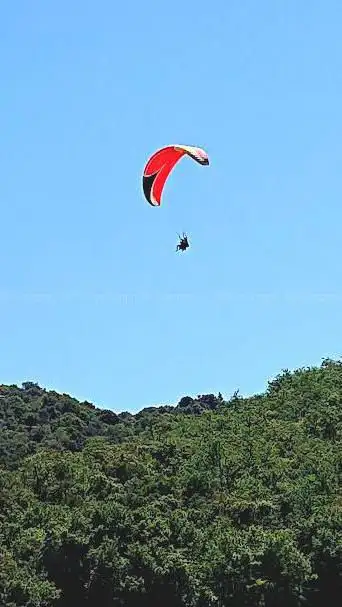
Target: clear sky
[93, 299]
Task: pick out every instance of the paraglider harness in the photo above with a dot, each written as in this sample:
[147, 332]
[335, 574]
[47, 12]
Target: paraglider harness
[183, 243]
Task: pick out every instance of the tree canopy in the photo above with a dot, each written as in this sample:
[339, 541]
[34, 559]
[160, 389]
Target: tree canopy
[214, 502]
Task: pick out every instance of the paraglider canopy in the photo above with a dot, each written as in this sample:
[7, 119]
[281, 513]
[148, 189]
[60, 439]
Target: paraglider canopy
[160, 165]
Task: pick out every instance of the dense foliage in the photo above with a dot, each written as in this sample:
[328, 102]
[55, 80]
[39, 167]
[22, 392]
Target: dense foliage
[211, 503]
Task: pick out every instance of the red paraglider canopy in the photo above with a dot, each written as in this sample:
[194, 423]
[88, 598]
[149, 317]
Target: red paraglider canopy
[161, 163]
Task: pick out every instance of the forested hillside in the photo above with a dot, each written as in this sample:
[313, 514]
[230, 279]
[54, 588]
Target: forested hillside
[213, 502]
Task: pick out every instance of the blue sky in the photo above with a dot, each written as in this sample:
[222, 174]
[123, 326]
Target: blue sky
[93, 299]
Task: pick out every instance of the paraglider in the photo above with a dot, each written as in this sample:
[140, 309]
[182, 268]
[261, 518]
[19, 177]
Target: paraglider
[160, 165]
[183, 243]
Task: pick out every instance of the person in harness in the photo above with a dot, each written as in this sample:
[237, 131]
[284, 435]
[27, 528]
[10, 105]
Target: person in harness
[183, 243]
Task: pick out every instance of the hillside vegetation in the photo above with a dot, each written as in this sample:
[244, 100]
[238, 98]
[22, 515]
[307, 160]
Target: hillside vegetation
[226, 503]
